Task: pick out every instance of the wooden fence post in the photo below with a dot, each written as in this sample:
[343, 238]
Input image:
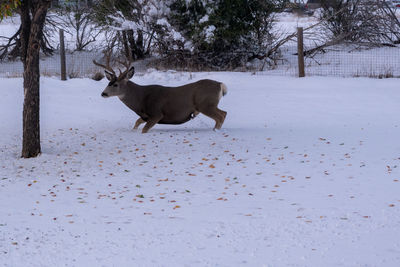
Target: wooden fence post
[300, 51]
[62, 57]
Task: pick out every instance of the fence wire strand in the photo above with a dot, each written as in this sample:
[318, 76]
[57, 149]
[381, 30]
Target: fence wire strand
[341, 60]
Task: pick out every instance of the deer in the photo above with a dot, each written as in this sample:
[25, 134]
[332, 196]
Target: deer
[158, 104]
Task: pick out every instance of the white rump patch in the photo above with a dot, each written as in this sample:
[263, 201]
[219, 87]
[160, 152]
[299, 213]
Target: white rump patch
[224, 90]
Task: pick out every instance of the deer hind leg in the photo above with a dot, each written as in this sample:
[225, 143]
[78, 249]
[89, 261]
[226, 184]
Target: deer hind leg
[215, 114]
[223, 114]
[137, 123]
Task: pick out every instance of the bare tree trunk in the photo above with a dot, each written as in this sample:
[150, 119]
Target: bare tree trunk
[139, 45]
[128, 52]
[131, 41]
[25, 29]
[136, 46]
[31, 33]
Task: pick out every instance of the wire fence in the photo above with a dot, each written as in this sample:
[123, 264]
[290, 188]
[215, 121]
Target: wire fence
[341, 60]
[79, 64]
[346, 60]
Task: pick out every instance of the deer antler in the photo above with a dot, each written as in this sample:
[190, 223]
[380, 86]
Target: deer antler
[127, 64]
[107, 65]
[104, 66]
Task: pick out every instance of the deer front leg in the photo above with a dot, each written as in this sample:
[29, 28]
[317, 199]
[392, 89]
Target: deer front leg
[138, 122]
[150, 123]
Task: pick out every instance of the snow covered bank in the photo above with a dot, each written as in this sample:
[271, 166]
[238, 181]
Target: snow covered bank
[304, 173]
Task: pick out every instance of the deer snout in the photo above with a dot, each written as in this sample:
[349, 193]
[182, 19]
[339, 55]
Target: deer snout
[104, 94]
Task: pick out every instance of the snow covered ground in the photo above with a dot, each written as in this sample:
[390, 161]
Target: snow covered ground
[305, 172]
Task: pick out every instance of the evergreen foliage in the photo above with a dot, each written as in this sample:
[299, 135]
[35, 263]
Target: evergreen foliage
[219, 34]
[228, 31]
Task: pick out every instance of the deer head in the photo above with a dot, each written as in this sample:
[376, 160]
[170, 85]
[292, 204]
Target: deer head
[117, 85]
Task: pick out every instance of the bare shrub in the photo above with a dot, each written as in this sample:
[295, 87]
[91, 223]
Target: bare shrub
[98, 76]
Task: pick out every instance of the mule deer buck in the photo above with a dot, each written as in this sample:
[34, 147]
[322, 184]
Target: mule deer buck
[162, 104]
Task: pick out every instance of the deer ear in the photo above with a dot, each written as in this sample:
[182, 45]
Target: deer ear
[130, 73]
[109, 75]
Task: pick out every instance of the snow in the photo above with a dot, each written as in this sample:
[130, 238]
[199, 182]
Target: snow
[9, 26]
[209, 32]
[303, 173]
[288, 22]
[163, 22]
[204, 19]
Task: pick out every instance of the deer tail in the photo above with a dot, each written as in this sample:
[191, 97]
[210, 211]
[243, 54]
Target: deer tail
[224, 90]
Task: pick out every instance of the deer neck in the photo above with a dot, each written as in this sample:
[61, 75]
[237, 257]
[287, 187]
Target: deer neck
[133, 96]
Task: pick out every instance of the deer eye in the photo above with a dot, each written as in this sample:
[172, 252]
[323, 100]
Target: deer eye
[115, 85]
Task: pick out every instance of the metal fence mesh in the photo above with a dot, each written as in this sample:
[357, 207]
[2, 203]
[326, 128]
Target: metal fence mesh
[79, 64]
[340, 60]
[350, 61]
